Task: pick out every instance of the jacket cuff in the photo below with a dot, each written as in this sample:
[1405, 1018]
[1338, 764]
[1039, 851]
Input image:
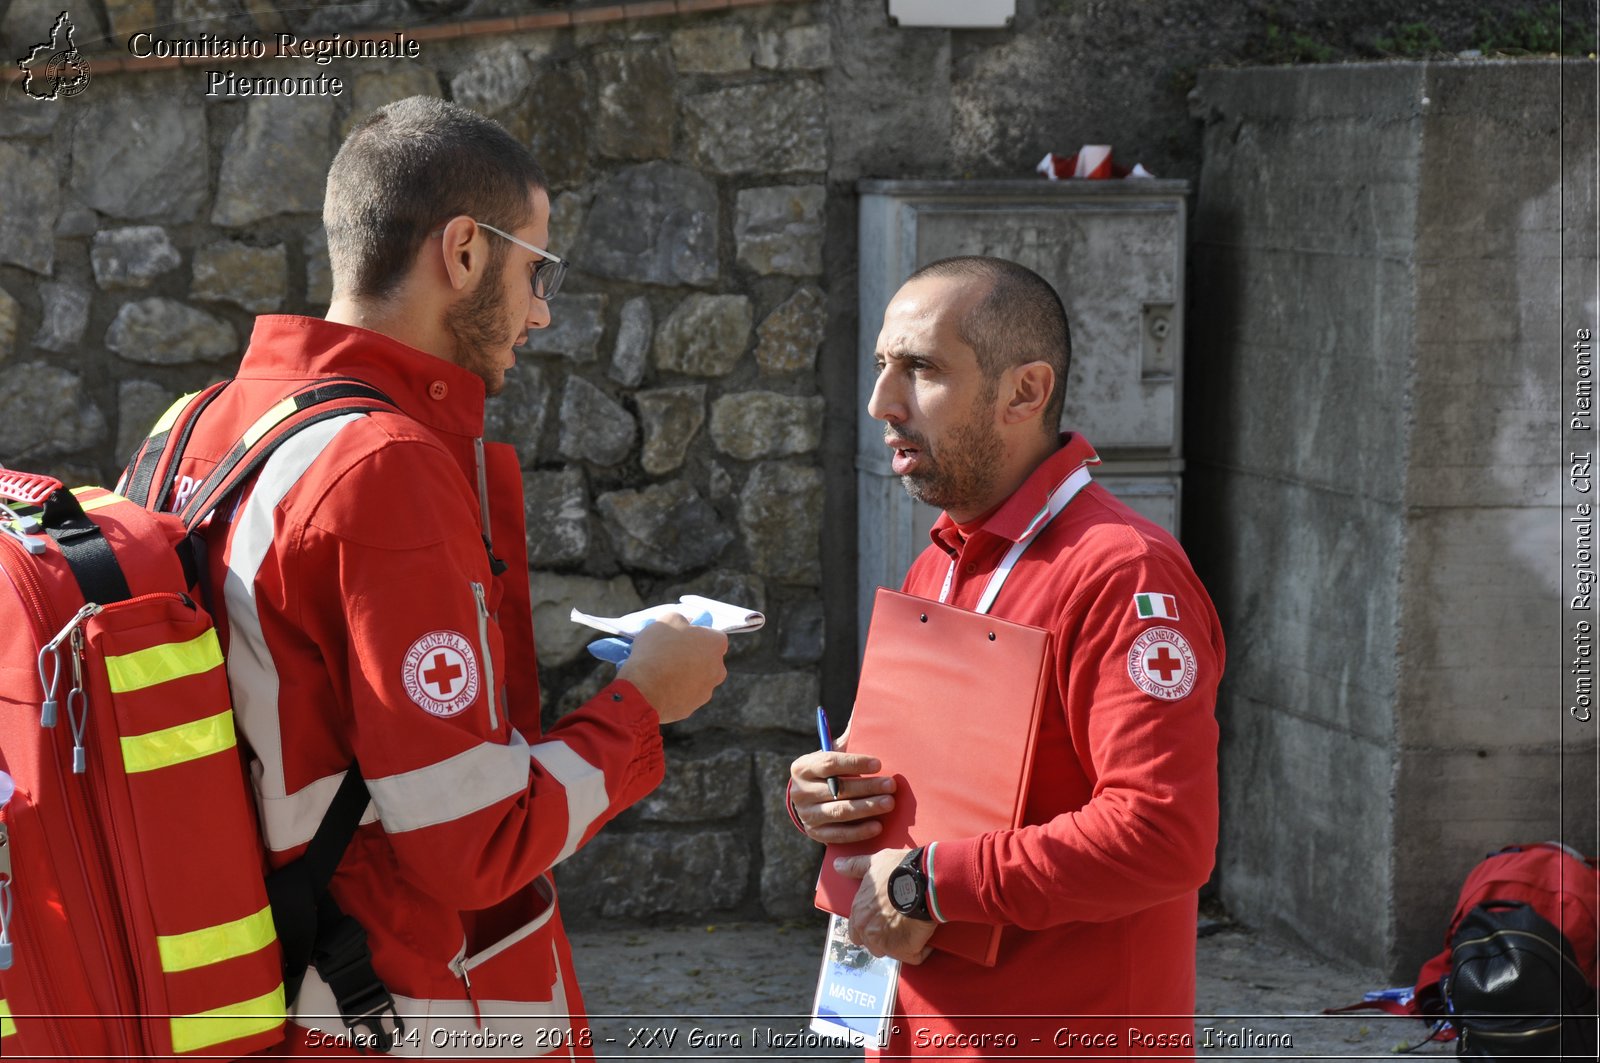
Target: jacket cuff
[935, 905]
[952, 870]
[649, 763]
[788, 805]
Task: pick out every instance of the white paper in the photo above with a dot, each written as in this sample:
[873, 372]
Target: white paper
[726, 618]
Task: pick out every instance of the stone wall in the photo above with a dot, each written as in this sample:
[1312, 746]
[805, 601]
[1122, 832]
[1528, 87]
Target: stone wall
[668, 421]
[688, 423]
[1378, 321]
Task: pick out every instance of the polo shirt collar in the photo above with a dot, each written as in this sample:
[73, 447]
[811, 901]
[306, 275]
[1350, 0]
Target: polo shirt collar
[440, 394]
[1029, 504]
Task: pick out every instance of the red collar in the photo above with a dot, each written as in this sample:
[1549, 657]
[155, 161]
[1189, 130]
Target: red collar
[440, 394]
[1016, 516]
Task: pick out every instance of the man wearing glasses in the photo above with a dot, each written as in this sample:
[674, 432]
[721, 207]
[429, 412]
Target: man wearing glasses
[374, 587]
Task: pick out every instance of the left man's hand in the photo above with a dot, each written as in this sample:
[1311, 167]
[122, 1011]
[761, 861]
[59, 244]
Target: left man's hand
[875, 925]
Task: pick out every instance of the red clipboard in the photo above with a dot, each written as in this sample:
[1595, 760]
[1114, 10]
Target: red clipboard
[949, 702]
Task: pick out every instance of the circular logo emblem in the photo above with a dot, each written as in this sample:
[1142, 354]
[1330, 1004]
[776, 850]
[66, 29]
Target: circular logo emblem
[1161, 664]
[440, 673]
[68, 73]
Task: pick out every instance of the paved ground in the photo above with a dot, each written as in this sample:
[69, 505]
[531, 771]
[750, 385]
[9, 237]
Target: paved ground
[728, 991]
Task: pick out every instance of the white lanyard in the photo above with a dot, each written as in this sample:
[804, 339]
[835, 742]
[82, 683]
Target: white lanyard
[1058, 501]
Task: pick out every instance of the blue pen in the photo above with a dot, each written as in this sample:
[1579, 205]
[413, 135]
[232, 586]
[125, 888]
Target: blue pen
[827, 747]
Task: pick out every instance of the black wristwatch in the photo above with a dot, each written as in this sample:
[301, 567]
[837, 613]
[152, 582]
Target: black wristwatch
[908, 887]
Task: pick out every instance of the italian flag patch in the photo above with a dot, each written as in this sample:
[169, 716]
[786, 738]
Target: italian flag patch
[1155, 606]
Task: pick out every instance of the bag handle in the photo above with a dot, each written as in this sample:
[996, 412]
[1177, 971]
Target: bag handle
[27, 488]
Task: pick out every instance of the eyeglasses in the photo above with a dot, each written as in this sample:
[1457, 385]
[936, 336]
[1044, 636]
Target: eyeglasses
[547, 275]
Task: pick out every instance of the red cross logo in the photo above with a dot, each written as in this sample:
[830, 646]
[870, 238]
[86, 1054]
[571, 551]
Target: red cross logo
[440, 673]
[444, 674]
[1163, 663]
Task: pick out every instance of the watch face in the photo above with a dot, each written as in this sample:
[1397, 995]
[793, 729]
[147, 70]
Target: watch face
[903, 891]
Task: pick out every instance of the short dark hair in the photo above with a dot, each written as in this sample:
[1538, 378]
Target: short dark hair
[408, 168]
[1019, 319]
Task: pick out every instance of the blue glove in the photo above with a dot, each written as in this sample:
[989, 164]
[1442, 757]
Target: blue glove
[616, 650]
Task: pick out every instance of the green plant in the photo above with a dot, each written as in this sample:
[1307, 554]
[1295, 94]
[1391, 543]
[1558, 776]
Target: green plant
[1535, 31]
[1410, 39]
[1295, 48]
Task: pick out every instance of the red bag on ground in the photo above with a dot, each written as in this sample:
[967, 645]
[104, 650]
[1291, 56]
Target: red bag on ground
[1554, 881]
[1560, 886]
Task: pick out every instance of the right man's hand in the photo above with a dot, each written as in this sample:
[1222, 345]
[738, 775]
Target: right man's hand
[863, 796]
[676, 666]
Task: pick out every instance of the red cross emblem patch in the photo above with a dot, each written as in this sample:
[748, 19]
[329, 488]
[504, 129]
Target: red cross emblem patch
[1161, 664]
[440, 673]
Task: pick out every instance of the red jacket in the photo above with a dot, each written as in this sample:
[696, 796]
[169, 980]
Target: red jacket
[364, 624]
[1097, 891]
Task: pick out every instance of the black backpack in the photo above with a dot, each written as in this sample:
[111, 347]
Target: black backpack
[1515, 987]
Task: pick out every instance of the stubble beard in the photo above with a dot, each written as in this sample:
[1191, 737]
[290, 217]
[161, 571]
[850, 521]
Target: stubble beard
[961, 475]
[476, 326]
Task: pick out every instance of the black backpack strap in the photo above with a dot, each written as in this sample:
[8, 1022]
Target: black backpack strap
[345, 963]
[160, 449]
[295, 888]
[263, 438]
[90, 557]
[312, 928]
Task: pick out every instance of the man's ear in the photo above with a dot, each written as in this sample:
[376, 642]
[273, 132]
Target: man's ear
[1027, 390]
[460, 252]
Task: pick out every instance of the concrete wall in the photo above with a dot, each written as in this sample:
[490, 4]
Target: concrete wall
[1374, 487]
[938, 104]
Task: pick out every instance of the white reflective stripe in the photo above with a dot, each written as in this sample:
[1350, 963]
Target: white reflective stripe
[587, 800]
[291, 820]
[1064, 493]
[452, 788]
[252, 674]
[449, 1029]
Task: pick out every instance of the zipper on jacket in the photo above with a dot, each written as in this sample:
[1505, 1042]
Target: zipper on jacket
[459, 967]
[496, 566]
[483, 490]
[485, 649]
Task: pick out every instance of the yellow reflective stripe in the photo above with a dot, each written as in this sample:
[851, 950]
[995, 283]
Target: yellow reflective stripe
[266, 1013]
[165, 421]
[164, 663]
[107, 499]
[7, 1027]
[267, 421]
[178, 745]
[213, 944]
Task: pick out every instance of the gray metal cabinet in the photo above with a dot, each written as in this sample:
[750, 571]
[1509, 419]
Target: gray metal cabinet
[1114, 251]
